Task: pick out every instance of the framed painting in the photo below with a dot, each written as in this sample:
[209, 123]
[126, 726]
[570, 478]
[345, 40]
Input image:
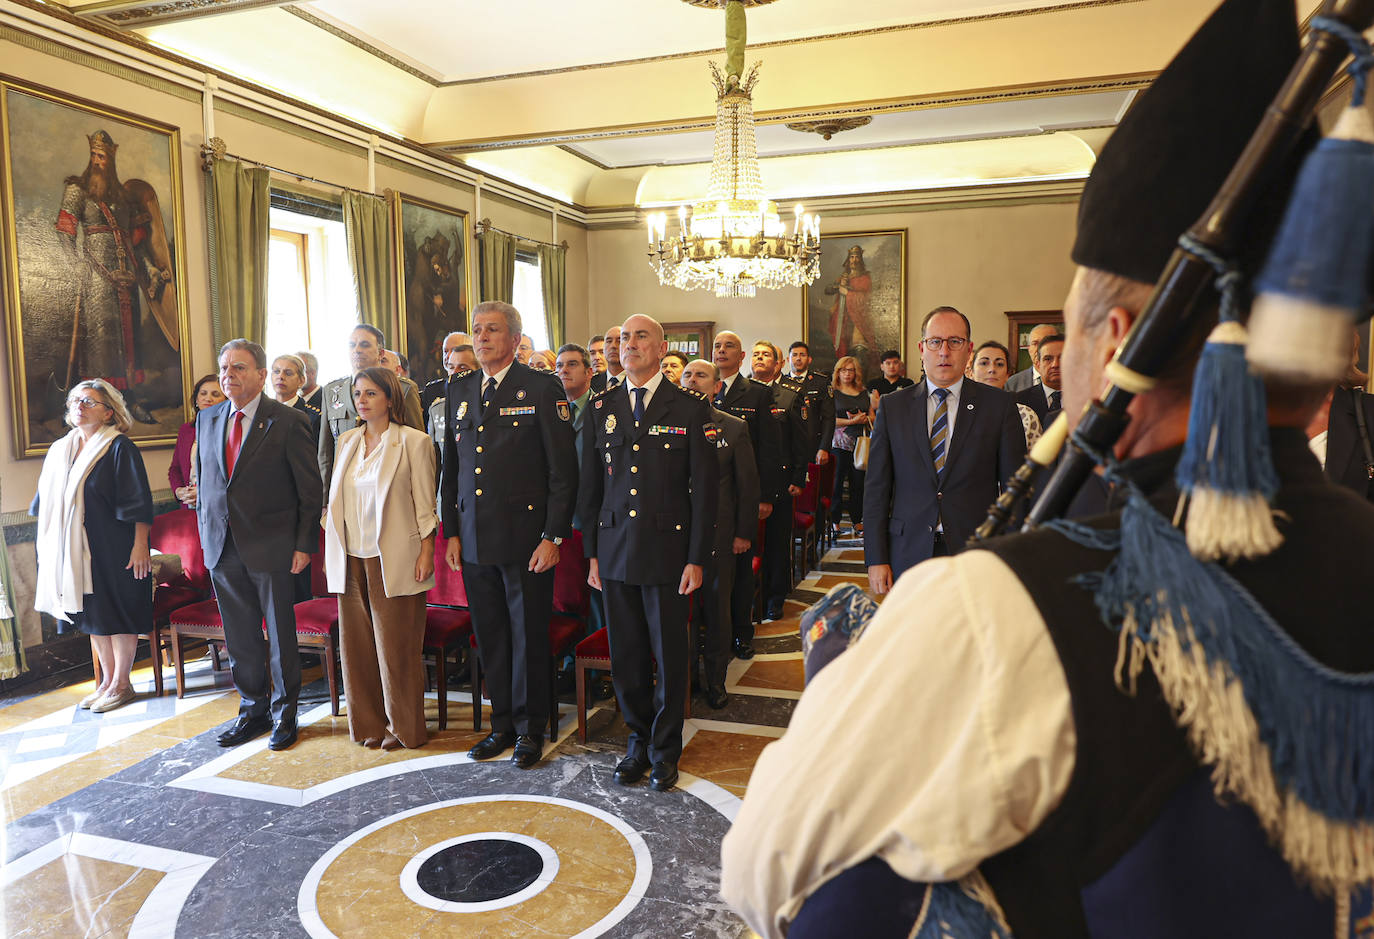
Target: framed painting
[94, 262]
[691, 339]
[432, 277]
[1019, 326]
[857, 306]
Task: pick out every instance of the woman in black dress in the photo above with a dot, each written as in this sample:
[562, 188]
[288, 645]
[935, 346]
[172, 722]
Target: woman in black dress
[852, 416]
[94, 513]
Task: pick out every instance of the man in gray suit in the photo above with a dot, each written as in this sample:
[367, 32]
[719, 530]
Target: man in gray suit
[1030, 377]
[258, 508]
[736, 525]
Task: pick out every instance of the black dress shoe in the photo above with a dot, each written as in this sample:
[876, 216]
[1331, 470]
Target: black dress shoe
[493, 744]
[244, 730]
[775, 612]
[631, 770]
[528, 749]
[283, 735]
[664, 776]
[743, 649]
[717, 697]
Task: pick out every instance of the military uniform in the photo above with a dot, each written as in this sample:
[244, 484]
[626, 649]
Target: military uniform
[818, 406]
[752, 402]
[431, 392]
[338, 415]
[509, 481]
[649, 496]
[790, 413]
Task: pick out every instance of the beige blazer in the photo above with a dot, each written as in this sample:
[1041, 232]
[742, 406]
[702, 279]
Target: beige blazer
[405, 489]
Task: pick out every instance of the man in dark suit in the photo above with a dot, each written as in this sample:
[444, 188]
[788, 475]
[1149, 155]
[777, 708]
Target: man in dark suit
[311, 391]
[736, 527]
[940, 452]
[365, 348]
[614, 373]
[258, 508]
[818, 396]
[1046, 398]
[509, 487]
[433, 390]
[752, 402]
[1345, 448]
[790, 413]
[649, 484]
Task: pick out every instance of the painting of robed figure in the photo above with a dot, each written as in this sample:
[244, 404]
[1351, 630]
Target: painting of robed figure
[94, 279]
[857, 306]
[432, 278]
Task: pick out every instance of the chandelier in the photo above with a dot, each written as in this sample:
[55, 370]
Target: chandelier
[733, 240]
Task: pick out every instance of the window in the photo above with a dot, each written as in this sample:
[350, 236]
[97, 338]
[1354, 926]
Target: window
[311, 301]
[527, 296]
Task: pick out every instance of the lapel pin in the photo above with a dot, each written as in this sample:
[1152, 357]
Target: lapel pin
[970, 407]
[520, 395]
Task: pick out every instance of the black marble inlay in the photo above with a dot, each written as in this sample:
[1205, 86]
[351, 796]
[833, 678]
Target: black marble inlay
[475, 871]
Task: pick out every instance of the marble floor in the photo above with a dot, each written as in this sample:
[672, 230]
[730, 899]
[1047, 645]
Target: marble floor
[136, 823]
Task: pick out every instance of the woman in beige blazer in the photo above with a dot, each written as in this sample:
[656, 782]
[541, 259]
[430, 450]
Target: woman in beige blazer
[379, 557]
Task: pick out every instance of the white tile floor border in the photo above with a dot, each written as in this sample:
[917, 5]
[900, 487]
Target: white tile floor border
[157, 917]
[738, 667]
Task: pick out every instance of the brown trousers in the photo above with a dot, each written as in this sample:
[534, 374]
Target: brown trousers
[380, 640]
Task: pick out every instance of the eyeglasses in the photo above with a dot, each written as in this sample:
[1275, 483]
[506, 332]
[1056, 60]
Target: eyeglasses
[935, 343]
[92, 403]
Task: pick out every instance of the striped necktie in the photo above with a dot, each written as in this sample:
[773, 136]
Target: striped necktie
[939, 429]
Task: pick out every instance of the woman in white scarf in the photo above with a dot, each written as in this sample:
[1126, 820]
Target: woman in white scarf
[94, 512]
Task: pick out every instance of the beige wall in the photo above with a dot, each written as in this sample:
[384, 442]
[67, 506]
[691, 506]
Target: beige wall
[984, 261]
[271, 142]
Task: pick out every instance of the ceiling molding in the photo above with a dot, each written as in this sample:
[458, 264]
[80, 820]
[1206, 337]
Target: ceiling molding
[353, 39]
[138, 14]
[917, 103]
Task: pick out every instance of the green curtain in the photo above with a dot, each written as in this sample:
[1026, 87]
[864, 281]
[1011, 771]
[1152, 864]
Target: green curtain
[367, 222]
[496, 253]
[238, 273]
[12, 662]
[553, 274]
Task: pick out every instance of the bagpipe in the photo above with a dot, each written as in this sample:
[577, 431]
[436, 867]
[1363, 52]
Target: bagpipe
[1168, 321]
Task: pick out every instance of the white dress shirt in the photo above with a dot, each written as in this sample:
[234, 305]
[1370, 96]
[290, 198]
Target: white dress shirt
[982, 755]
[499, 376]
[360, 498]
[1318, 447]
[649, 387]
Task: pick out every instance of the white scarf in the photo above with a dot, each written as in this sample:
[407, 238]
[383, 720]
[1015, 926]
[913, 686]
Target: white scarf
[64, 556]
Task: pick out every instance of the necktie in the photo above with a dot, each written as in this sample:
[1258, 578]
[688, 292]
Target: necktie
[572, 408]
[234, 444]
[611, 382]
[939, 429]
[639, 403]
[1055, 404]
[488, 391]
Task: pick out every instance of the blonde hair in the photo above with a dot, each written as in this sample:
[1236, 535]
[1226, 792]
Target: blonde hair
[844, 362]
[119, 411]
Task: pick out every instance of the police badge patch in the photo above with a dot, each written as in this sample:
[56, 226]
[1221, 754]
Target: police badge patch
[520, 395]
[462, 409]
[610, 423]
[564, 411]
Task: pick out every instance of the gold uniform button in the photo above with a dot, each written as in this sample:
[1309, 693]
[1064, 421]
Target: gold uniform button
[477, 470]
[515, 423]
[530, 507]
[636, 446]
[479, 428]
[665, 446]
[634, 469]
[479, 449]
[679, 528]
[479, 492]
[634, 492]
[633, 513]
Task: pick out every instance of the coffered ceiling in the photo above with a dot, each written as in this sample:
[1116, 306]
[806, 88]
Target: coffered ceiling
[591, 100]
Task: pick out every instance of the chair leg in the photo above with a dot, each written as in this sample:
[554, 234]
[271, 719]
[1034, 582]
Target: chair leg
[475, 676]
[441, 680]
[155, 647]
[178, 664]
[580, 676]
[332, 672]
[553, 700]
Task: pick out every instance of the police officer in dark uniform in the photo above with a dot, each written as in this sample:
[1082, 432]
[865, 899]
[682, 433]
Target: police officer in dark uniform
[790, 413]
[649, 497]
[509, 488]
[436, 389]
[818, 392]
[365, 347]
[737, 526]
[752, 402]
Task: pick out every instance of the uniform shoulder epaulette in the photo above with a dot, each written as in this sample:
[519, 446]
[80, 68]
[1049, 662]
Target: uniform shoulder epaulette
[599, 394]
[466, 376]
[694, 393]
[309, 406]
[790, 383]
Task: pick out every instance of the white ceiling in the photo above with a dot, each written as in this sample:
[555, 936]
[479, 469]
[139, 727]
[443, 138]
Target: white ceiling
[458, 40]
[905, 128]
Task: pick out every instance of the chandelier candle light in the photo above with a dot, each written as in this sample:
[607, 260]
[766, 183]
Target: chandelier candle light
[734, 240]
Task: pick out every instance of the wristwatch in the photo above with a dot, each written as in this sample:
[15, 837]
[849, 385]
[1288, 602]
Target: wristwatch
[556, 541]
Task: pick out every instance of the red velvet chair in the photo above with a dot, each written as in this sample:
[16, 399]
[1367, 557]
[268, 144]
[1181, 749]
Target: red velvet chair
[594, 652]
[448, 628]
[173, 532]
[804, 510]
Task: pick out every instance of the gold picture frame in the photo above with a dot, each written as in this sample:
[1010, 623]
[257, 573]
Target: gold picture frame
[433, 258]
[95, 286]
[834, 324]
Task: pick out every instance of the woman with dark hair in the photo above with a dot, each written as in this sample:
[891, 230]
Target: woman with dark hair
[94, 513]
[379, 532]
[205, 394]
[988, 366]
[852, 415]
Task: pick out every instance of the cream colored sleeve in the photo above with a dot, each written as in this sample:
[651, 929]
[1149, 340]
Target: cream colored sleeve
[941, 738]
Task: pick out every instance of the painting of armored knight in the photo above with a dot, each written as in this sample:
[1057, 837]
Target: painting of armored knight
[94, 281]
[432, 277]
[858, 304]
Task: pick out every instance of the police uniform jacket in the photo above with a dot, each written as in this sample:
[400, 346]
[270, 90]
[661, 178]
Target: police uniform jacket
[510, 473]
[737, 505]
[651, 488]
[338, 415]
[790, 412]
[752, 402]
[818, 402]
[431, 392]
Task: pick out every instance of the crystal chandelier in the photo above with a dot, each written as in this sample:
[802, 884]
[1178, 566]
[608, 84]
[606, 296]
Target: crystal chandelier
[734, 241]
